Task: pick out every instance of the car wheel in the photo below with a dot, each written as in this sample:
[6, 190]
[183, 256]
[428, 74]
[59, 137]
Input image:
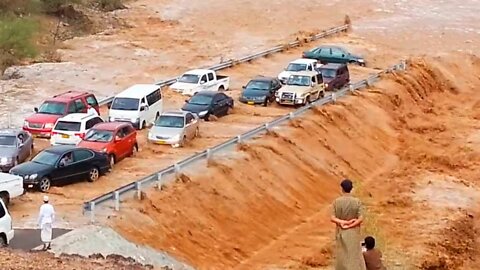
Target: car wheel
[143, 124]
[30, 152]
[5, 198]
[157, 115]
[207, 117]
[265, 103]
[93, 175]
[183, 141]
[44, 184]
[111, 160]
[307, 100]
[3, 241]
[221, 88]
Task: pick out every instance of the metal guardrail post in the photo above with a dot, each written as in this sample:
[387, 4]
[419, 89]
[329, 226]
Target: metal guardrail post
[138, 188]
[239, 139]
[403, 65]
[334, 97]
[116, 197]
[209, 154]
[351, 88]
[267, 127]
[177, 169]
[367, 82]
[159, 180]
[291, 115]
[92, 212]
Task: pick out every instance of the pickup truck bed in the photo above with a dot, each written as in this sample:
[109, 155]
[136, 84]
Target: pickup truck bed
[220, 77]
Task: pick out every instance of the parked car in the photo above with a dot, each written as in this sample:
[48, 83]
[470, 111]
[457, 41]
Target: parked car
[15, 147]
[61, 163]
[11, 186]
[139, 104]
[6, 229]
[333, 54]
[335, 76]
[41, 123]
[72, 128]
[117, 139]
[174, 128]
[197, 80]
[260, 90]
[301, 88]
[302, 64]
[206, 103]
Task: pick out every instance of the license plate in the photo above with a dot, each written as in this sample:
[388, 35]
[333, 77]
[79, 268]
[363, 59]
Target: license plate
[251, 102]
[161, 142]
[30, 186]
[65, 136]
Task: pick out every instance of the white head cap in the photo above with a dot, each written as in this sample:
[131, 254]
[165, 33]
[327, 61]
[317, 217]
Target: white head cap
[45, 198]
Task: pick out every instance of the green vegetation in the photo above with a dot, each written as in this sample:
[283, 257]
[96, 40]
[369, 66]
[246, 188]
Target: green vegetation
[21, 30]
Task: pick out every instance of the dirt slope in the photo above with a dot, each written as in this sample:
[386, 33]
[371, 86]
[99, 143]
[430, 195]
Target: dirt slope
[410, 145]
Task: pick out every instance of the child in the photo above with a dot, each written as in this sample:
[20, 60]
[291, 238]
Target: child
[372, 256]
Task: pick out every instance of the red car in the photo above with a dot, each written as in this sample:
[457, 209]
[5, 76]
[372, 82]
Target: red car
[40, 123]
[117, 139]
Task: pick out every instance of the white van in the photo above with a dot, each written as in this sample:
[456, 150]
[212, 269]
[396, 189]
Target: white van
[6, 228]
[139, 104]
[71, 129]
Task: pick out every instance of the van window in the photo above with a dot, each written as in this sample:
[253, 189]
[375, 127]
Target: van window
[80, 105]
[125, 104]
[154, 97]
[92, 101]
[3, 212]
[67, 126]
[210, 76]
[92, 122]
[314, 79]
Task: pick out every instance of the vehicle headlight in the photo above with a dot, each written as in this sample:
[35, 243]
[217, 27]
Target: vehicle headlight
[33, 176]
[361, 60]
[176, 137]
[25, 123]
[326, 85]
[203, 113]
[6, 160]
[111, 119]
[49, 125]
[104, 150]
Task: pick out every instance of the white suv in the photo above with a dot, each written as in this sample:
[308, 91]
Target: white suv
[71, 129]
[6, 228]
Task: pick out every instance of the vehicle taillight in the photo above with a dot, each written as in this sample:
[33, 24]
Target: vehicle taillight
[54, 133]
[81, 135]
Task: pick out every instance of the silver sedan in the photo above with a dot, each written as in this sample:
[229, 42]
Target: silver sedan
[15, 147]
[174, 128]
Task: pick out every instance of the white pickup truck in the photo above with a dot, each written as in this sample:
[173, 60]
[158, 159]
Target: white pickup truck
[11, 186]
[298, 65]
[197, 80]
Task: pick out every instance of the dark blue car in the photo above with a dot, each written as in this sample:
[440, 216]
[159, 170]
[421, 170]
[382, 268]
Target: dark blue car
[260, 90]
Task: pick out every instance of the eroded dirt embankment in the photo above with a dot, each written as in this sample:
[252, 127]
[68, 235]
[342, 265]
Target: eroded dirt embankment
[410, 144]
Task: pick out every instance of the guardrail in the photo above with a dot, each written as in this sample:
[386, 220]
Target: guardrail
[233, 62]
[158, 177]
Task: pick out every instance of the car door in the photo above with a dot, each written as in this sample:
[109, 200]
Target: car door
[189, 125]
[92, 101]
[82, 163]
[66, 172]
[23, 149]
[212, 83]
[80, 106]
[122, 142]
[223, 104]
[339, 56]
[276, 85]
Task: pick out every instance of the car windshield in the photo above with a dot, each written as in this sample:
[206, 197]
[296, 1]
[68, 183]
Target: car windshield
[7, 140]
[296, 67]
[258, 85]
[200, 100]
[94, 135]
[67, 126]
[329, 73]
[47, 158]
[170, 121]
[125, 104]
[189, 78]
[49, 107]
[299, 80]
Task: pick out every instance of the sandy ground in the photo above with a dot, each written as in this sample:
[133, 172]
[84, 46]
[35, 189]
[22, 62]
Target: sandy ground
[403, 143]
[167, 37]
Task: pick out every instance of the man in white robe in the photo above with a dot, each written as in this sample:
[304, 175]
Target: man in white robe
[91, 110]
[46, 217]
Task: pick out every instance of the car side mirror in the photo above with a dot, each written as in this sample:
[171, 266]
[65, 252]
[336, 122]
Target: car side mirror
[117, 139]
[61, 165]
[186, 100]
[202, 82]
[35, 109]
[109, 105]
[243, 87]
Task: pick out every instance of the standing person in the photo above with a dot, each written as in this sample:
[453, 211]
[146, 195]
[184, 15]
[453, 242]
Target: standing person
[347, 215]
[372, 256]
[46, 217]
[91, 110]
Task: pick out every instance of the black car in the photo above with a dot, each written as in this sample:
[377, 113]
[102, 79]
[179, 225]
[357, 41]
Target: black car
[260, 90]
[62, 163]
[206, 103]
